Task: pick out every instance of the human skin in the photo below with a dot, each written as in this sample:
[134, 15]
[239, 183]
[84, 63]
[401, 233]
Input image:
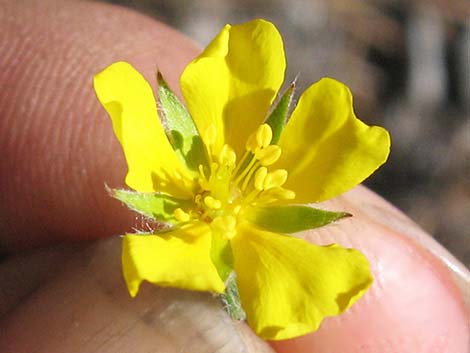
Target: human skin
[57, 152]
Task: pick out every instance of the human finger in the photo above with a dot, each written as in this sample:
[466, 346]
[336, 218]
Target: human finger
[84, 152]
[58, 148]
[416, 303]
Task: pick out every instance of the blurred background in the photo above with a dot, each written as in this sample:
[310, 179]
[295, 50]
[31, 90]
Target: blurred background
[408, 65]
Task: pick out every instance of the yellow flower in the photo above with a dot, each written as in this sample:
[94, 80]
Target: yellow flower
[229, 179]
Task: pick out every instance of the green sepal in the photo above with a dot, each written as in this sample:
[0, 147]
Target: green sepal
[231, 299]
[157, 206]
[292, 219]
[278, 116]
[221, 255]
[180, 127]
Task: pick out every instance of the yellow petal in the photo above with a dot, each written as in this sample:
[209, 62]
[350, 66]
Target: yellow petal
[129, 101]
[180, 259]
[325, 148]
[232, 84]
[287, 286]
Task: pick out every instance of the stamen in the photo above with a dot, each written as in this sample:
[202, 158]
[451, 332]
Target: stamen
[226, 187]
[260, 176]
[227, 156]
[264, 135]
[250, 174]
[275, 194]
[269, 155]
[283, 194]
[181, 216]
[251, 143]
[261, 138]
[268, 187]
[275, 179]
[242, 161]
[251, 197]
[212, 203]
[245, 171]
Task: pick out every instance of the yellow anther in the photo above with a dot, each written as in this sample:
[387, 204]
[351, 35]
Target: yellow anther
[227, 156]
[260, 176]
[282, 194]
[212, 203]
[264, 135]
[210, 135]
[268, 155]
[180, 215]
[275, 194]
[225, 225]
[260, 139]
[275, 179]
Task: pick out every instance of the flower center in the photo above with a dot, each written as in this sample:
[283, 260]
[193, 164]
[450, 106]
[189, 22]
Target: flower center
[228, 187]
